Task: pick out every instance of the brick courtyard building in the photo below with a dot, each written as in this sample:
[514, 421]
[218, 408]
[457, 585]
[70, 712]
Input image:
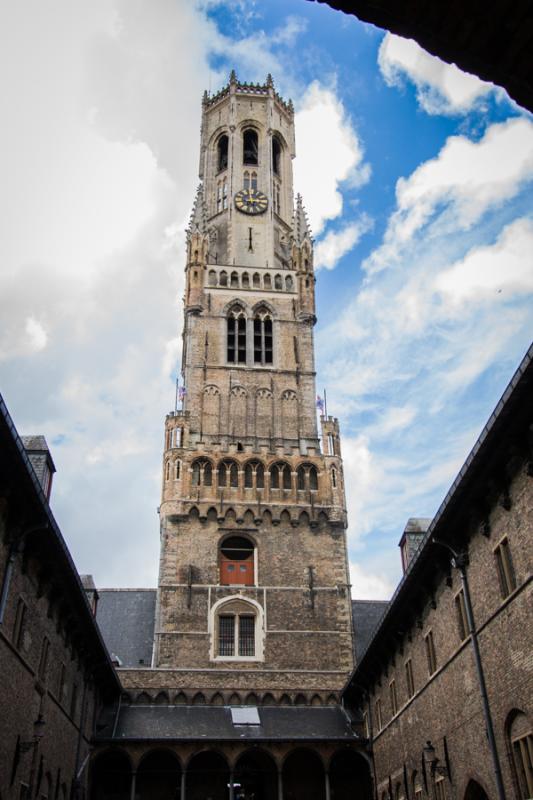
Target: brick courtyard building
[417, 683]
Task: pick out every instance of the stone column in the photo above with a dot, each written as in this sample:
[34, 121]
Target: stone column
[231, 793]
[280, 783]
[328, 789]
[133, 783]
[182, 786]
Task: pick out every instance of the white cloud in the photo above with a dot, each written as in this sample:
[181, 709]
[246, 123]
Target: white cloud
[329, 152]
[458, 186]
[441, 88]
[335, 244]
[505, 267]
[36, 334]
[369, 586]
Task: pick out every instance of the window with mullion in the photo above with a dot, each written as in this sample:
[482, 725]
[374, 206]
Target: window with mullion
[247, 636]
[226, 635]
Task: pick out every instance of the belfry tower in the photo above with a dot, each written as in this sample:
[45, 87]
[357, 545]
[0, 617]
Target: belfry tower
[253, 598]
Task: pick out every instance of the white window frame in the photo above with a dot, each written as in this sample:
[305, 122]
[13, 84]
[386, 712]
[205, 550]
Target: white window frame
[218, 609]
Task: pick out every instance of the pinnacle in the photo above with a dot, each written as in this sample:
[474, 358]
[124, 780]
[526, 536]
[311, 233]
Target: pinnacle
[302, 229]
[198, 220]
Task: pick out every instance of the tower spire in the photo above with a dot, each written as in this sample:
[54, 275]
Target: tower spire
[198, 220]
[301, 227]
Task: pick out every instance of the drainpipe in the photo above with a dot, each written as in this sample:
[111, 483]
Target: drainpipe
[460, 561]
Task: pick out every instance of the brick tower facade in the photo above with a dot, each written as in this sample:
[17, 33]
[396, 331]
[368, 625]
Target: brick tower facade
[253, 595]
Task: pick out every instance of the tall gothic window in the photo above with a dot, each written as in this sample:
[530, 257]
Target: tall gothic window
[250, 148]
[202, 472]
[222, 153]
[236, 336]
[262, 337]
[276, 156]
[254, 180]
[246, 181]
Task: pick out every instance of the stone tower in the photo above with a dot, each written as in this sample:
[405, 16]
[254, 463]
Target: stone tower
[253, 597]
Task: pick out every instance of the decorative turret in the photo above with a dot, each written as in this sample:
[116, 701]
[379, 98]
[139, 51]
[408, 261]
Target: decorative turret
[302, 257]
[198, 248]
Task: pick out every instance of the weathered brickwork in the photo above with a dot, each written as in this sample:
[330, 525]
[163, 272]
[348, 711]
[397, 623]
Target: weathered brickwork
[48, 644]
[243, 457]
[446, 707]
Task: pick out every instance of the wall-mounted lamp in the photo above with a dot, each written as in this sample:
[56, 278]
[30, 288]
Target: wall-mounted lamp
[432, 760]
[38, 733]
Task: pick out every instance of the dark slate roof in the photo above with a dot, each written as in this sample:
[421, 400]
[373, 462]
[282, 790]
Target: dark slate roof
[126, 618]
[366, 615]
[193, 723]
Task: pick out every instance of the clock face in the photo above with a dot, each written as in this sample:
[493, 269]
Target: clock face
[250, 201]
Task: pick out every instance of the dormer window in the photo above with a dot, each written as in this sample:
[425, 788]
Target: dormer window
[250, 148]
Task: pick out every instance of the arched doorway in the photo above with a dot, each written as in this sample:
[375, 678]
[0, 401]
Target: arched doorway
[349, 776]
[475, 792]
[303, 776]
[158, 777]
[255, 777]
[110, 776]
[207, 776]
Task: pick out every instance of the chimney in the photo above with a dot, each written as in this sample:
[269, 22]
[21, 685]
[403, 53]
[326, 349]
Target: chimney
[414, 532]
[41, 461]
[87, 582]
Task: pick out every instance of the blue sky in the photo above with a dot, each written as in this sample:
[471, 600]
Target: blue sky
[417, 180]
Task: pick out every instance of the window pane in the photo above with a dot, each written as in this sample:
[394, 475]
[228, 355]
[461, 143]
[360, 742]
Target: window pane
[226, 636]
[246, 636]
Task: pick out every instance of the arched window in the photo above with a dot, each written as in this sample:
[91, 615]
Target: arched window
[237, 562]
[262, 337]
[234, 280]
[212, 279]
[280, 476]
[254, 180]
[288, 283]
[237, 628]
[223, 278]
[250, 149]
[222, 153]
[334, 477]
[225, 195]
[278, 283]
[267, 280]
[276, 155]
[219, 197]
[256, 280]
[307, 478]
[202, 472]
[246, 181]
[236, 335]
[245, 280]
[167, 471]
[228, 474]
[521, 741]
[254, 475]
[177, 470]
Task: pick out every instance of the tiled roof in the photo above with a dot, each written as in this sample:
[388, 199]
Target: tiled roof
[126, 619]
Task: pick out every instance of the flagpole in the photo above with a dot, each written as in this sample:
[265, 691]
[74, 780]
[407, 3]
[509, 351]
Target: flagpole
[176, 400]
[325, 405]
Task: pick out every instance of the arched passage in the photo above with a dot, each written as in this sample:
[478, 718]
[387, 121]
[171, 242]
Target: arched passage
[207, 776]
[303, 776]
[475, 792]
[255, 777]
[349, 776]
[158, 777]
[110, 776]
